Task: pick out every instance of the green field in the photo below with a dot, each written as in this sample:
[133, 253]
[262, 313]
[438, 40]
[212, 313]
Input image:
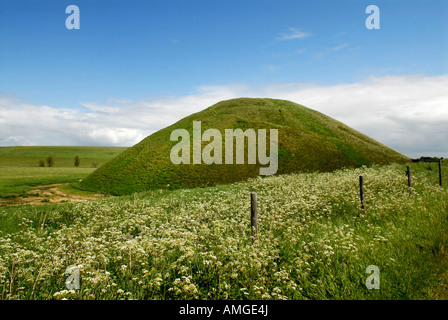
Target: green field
[20, 171]
[314, 241]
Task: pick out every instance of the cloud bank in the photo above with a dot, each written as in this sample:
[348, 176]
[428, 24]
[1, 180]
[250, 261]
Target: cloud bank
[407, 113]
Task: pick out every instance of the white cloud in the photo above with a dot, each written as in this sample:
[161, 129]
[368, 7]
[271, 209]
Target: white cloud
[339, 47]
[289, 54]
[408, 113]
[292, 34]
[270, 68]
[115, 122]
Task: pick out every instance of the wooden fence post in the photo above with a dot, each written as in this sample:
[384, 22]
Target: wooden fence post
[253, 215]
[361, 190]
[408, 173]
[440, 171]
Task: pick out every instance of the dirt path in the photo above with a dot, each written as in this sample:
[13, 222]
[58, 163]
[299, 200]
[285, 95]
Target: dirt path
[48, 194]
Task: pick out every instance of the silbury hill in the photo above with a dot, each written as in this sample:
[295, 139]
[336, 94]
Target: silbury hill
[307, 141]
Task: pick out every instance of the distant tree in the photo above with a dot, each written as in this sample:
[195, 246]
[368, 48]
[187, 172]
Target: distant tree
[77, 161]
[41, 163]
[50, 161]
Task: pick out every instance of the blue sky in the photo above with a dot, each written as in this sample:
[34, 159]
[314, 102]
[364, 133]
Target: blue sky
[126, 52]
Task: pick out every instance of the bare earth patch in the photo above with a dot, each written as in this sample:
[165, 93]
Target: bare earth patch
[48, 194]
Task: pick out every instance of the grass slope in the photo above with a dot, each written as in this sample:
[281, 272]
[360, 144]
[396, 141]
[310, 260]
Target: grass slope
[308, 141]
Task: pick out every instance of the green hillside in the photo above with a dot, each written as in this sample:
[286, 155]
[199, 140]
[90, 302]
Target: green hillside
[307, 141]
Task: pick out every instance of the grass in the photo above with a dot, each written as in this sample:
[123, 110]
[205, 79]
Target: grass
[431, 170]
[308, 141]
[20, 171]
[314, 241]
[17, 180]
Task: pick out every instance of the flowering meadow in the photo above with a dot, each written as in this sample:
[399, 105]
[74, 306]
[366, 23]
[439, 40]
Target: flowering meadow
[314, 241]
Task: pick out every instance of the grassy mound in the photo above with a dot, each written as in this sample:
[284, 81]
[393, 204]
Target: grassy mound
[308, 141]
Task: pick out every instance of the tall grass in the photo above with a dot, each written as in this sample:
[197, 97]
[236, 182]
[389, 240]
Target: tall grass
[314, 241]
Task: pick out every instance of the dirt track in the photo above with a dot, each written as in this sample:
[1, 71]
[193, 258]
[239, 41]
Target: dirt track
[47, 194]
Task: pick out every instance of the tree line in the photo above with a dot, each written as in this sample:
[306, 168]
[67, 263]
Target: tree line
[49, 161]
